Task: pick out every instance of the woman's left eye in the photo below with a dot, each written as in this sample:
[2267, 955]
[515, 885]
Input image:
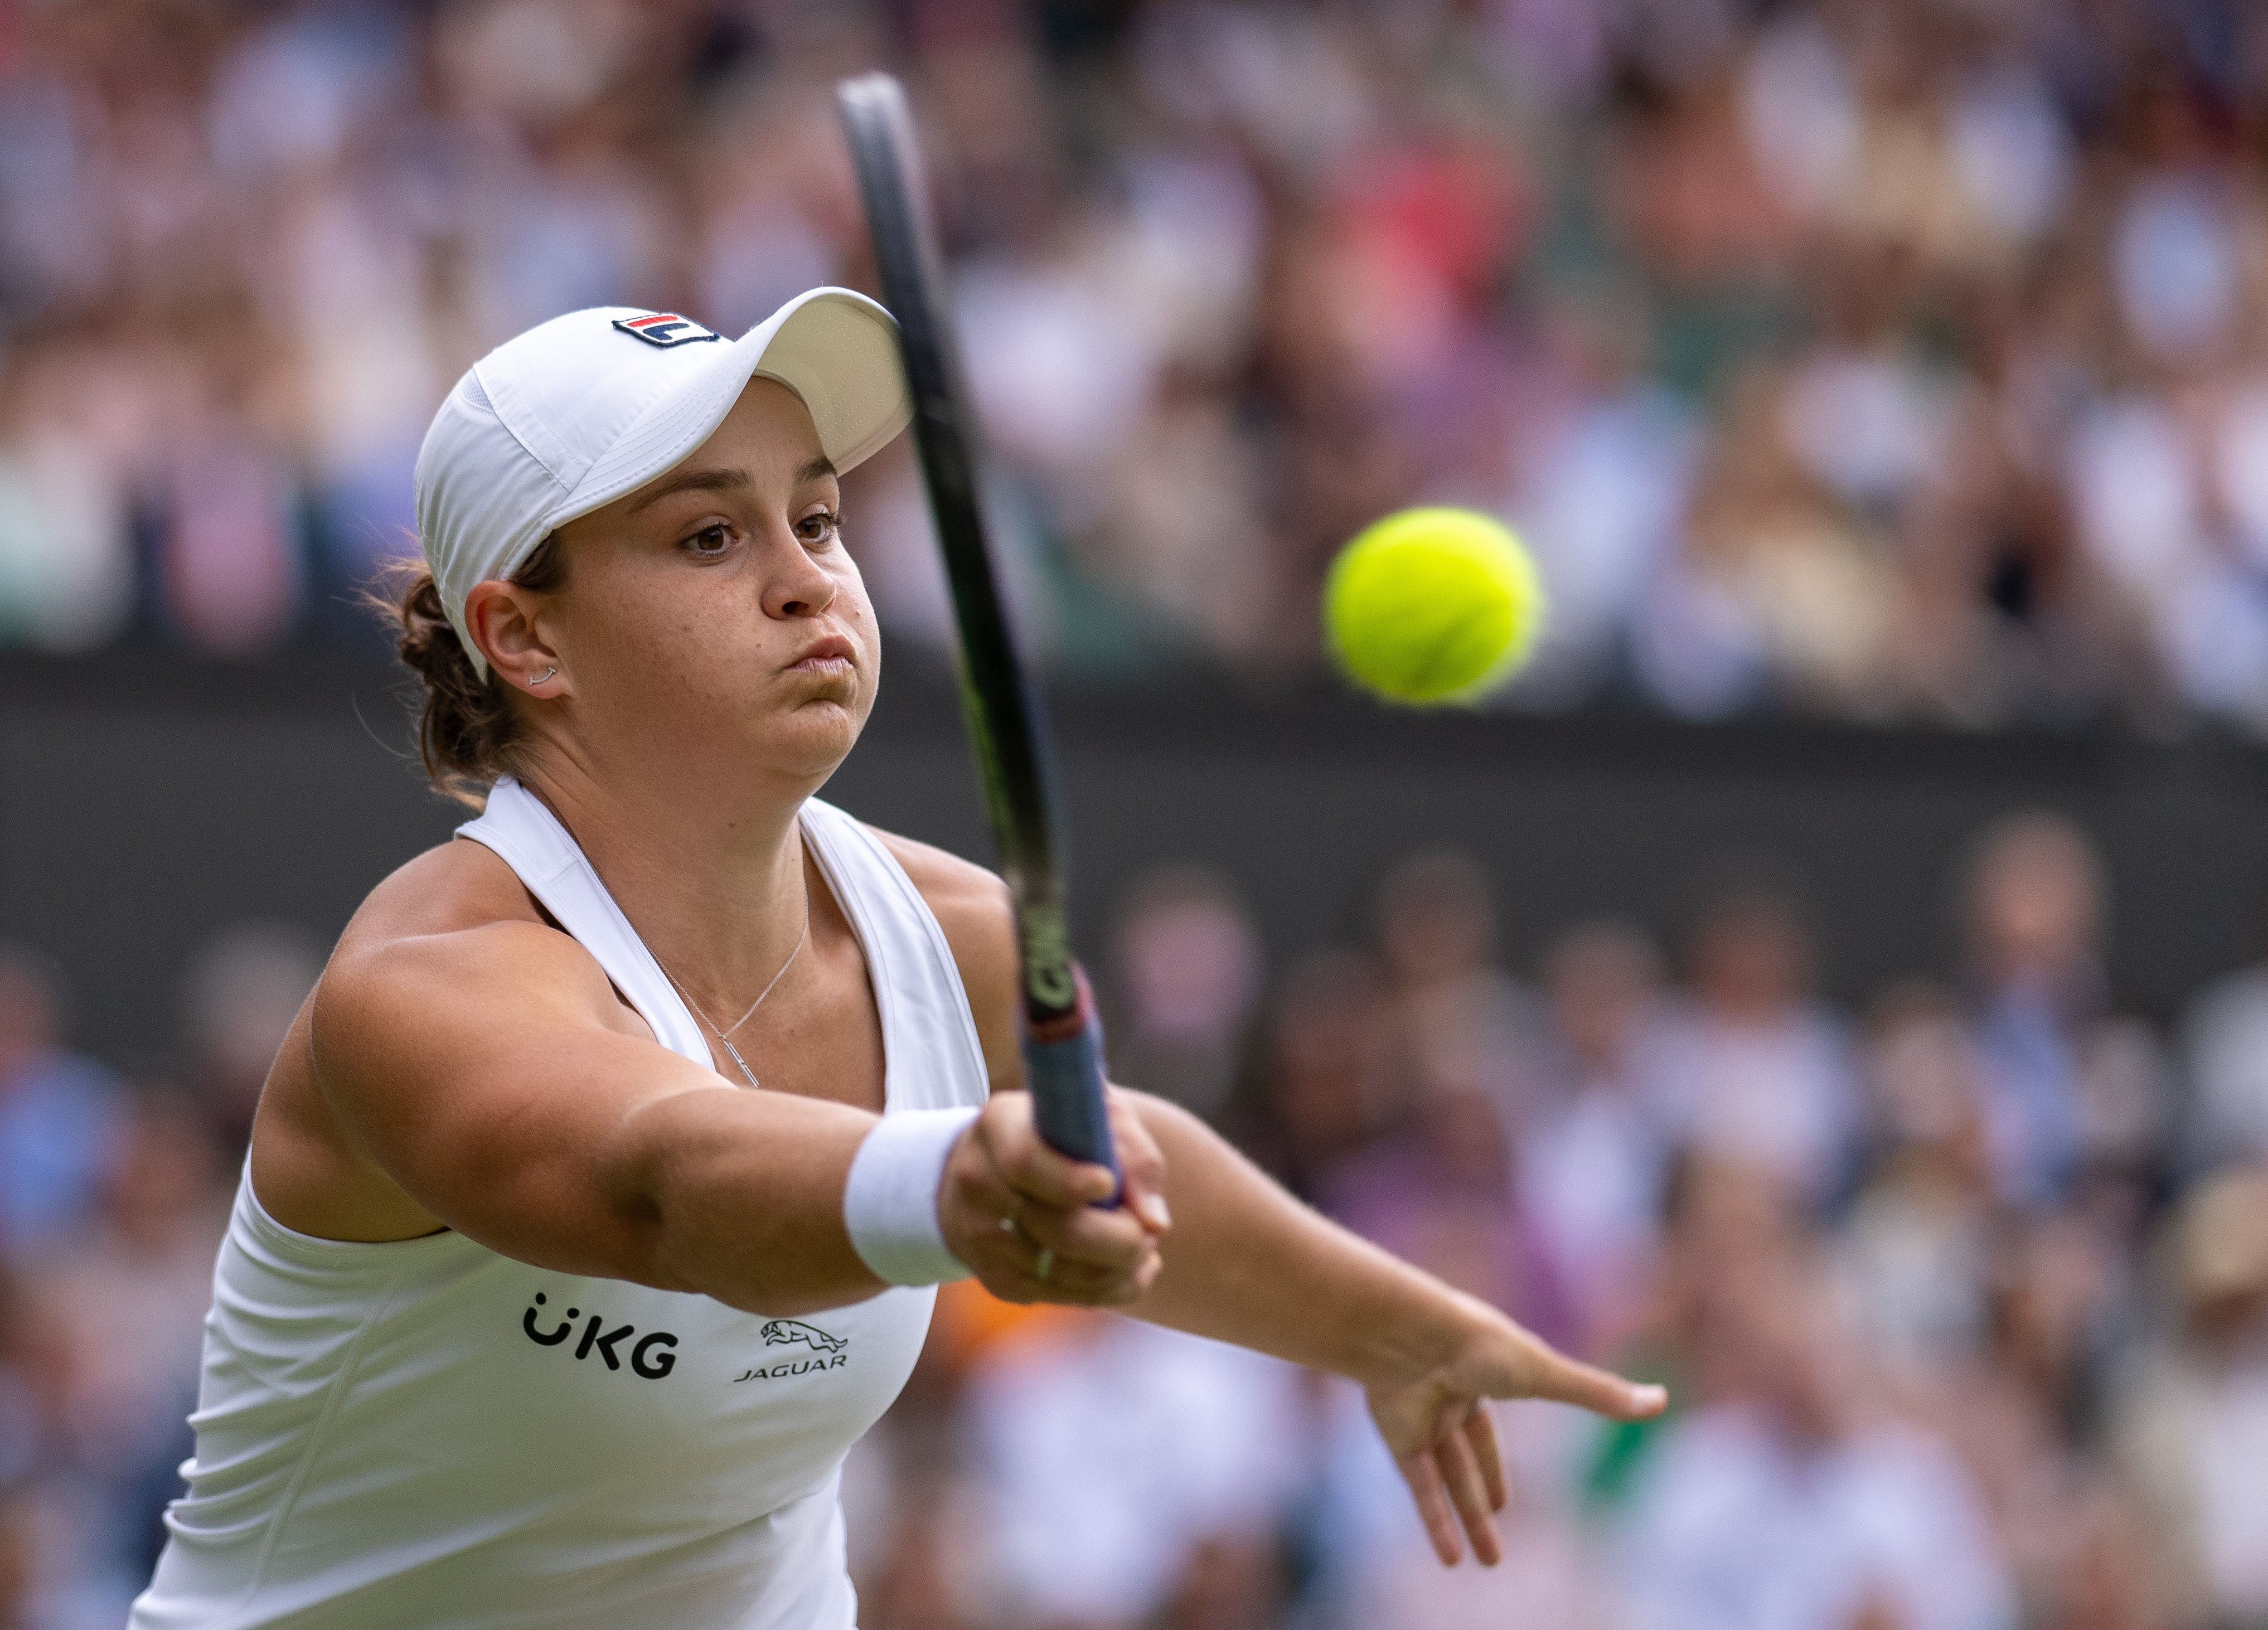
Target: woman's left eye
[710, 540]
[821, 527]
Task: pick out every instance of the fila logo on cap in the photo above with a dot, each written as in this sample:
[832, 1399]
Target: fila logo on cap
[664, 328]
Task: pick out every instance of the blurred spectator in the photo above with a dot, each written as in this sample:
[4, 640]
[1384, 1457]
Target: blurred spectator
[1123, 1464]
[2103, 1580]
[2193, 1430]
[242, 991]
[1438, 1184]
[1755, 1070]
[229, 554]
[66, 566]
[27, 1377]
[2067, 1083]
[2224, 1044]
[59, 1113]
[1918, 1239]
[1443, 1193]
[1459, 1018]
[1786, 1500]
[18, 1549]
[1597, 1146]
[2023, 1407]
[1716, 1210]
[1319, 1091]
[912, 1565]
[1186, 966]
[126, 1301]
[1603, 473]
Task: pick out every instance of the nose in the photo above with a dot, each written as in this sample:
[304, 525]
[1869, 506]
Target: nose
[797, 586]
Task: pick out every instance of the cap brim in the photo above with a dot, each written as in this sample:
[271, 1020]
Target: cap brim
[834, 347]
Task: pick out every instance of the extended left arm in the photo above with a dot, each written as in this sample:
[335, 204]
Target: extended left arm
[1245, 1262]
[1242, 1261]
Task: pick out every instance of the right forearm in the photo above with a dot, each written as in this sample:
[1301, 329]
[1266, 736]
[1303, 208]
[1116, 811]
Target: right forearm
[741, 1197]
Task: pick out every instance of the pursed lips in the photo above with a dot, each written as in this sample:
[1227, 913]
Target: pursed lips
[823, 655]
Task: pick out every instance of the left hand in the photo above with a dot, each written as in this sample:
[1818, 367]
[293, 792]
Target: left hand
[1437, 1423]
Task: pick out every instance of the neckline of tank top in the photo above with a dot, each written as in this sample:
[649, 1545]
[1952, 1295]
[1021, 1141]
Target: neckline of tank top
[570, 853]
[522, 813]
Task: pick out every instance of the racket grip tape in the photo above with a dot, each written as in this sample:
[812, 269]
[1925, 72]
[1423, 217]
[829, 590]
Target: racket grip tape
[1062, 1064]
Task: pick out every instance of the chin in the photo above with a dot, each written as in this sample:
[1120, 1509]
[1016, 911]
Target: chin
[811, 739]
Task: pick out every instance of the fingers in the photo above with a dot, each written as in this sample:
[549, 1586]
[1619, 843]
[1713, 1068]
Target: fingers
[1100, 1258]
[1027, 1164]
[1069, 1284]
[1562, 1379]
[1115, 1238]
[1468, 1492]
[1092, 1255]
[1141, 1165]
[1424, 1477]
[1480, 1431]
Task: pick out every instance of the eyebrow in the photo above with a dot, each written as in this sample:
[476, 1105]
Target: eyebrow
[727, 480]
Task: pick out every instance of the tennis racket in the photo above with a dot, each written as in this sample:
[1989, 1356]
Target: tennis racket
[1062, 1041]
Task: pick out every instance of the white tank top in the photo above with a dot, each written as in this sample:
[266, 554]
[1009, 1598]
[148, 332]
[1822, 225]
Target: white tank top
[425, 1434]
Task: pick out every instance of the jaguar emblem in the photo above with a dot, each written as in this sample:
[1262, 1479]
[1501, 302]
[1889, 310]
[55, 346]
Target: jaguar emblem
[789, 1332]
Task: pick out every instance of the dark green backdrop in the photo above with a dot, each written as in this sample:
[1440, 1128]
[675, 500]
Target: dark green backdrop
[147, 800]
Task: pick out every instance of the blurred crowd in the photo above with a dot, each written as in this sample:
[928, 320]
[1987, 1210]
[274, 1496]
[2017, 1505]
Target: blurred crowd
[1962, 1296]
[1888, 361]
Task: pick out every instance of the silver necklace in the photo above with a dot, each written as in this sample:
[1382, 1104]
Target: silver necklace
[725, 1036]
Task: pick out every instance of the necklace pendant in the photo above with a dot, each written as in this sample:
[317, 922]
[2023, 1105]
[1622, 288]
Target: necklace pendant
[743, 1062]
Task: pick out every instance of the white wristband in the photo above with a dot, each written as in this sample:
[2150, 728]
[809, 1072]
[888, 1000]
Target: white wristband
[889, 1205]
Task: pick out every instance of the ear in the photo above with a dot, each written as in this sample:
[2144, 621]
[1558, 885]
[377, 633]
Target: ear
[502, 618]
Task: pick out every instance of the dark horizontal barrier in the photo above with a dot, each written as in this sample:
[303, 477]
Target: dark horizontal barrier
[147, 801]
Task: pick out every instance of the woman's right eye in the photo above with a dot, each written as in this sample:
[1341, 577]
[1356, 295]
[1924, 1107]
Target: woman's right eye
[710, 540]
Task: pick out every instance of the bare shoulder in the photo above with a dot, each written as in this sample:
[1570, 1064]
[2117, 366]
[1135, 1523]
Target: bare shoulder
[435, 954]
[452, 926]
[971, 905]
[959, 892]
[457, 885]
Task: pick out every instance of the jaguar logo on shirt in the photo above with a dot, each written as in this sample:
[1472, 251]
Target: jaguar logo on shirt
[644, 1358]
[828, 1352]
[788, 1332]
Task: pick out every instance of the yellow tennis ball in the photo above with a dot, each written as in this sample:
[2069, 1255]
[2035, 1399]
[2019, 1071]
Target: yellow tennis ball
[1432, 605]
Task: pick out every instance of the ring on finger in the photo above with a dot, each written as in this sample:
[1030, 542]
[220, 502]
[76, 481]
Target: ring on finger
[1045, 1265]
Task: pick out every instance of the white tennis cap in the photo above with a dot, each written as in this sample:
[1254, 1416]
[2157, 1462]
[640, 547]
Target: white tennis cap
[579, 410]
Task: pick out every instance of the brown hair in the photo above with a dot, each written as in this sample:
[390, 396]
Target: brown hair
[469, 731]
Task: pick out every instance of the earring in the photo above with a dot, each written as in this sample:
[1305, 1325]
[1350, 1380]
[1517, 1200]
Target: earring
[544, 677]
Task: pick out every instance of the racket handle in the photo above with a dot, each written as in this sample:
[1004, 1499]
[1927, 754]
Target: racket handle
[1062, 1064]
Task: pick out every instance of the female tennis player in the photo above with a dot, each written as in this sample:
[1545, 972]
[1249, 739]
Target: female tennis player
[596, 1200]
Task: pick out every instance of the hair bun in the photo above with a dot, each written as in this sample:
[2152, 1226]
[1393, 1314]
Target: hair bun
[469, 730]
